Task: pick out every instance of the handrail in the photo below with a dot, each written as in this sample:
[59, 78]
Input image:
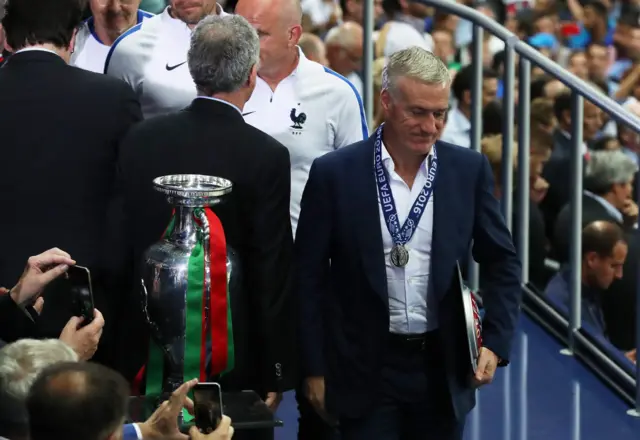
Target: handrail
[511, 40]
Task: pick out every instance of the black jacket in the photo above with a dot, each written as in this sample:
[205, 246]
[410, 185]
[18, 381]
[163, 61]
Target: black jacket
[211, 138]
[60, 133]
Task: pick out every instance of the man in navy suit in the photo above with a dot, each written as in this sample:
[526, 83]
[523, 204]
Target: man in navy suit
[383, 223]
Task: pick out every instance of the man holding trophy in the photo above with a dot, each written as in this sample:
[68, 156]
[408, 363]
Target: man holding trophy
[217, 286]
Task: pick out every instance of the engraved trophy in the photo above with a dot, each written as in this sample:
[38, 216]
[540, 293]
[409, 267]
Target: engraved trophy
[185, 282]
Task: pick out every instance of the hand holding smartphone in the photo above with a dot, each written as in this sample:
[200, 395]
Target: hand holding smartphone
[207, 401]
[79, 279]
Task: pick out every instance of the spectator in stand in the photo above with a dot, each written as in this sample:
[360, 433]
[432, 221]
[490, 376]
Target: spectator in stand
[344, 52]
[608, 182]
[604, 251]
[353, 10]
[556, 171]
[443, 46]
[546, 87]
[593, 17]
[401, 30]
[578, 65]
[541, 117]
[313, 48]
[597, 55]
[458, 128]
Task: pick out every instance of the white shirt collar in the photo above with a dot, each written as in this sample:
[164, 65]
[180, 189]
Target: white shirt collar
[387, 160]
[34, 49]
[220, 100]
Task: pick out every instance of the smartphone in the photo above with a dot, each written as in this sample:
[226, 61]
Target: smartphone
[79, 279]
[207, 402]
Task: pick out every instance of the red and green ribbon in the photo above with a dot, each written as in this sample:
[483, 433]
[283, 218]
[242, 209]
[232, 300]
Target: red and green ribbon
[222, 347]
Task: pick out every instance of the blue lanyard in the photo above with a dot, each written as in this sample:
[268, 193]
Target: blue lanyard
[401, 236]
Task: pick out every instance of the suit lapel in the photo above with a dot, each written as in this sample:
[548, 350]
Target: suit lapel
[366, 218]
[440, 245]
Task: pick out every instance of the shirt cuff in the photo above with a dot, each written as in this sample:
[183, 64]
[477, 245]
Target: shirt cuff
[138, 432]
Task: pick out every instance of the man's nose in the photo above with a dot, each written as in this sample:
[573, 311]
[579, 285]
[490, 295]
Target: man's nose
[429, 124]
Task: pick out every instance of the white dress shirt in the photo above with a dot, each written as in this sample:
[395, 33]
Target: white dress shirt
[457, 131]
[412, 304]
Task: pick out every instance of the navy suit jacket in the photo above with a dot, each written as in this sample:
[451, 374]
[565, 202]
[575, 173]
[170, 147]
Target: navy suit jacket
[341, 278]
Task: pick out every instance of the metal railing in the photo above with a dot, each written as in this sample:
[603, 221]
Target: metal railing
[581, 90]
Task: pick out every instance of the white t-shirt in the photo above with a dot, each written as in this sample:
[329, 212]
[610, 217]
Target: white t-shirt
[152, 58]
[402, 36]
[312, 112]
[89, 52]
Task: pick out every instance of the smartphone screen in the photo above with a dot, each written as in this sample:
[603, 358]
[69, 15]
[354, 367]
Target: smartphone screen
[207, 401]
[79, 279]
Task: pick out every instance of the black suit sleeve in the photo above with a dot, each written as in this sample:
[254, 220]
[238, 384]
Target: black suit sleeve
[493, 249]
[269, 282]
[14, 322]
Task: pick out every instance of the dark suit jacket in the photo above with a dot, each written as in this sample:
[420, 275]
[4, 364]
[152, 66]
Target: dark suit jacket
[343, 329]
[211, 138]
[4, 56]
[14, 323]
[60, 132]
[618, 302]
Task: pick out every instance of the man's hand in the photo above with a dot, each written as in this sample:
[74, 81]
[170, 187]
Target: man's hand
[315, 392]
[224, 431]
[632, 356]
[84, 341]
[487, 365]
[40, 271]
[630, 212]
[273, 400]
[163, 423]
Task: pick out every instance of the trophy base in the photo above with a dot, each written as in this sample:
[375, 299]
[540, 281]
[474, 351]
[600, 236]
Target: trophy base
[245, 408]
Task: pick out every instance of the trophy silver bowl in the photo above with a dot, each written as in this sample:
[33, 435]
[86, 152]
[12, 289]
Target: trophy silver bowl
[164, 275]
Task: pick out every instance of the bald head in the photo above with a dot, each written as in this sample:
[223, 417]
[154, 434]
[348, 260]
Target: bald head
[278, 23]
[69, 392]
[285, 12]
[601, 237]
[348, 34]
[313, 48]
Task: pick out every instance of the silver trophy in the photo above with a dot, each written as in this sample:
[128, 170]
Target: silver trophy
[166, 265]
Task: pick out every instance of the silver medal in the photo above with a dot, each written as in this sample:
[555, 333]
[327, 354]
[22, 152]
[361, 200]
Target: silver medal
[399, 255]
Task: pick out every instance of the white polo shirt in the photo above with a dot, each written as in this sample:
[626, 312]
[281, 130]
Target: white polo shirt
[312, 112]
[152, 58]
[89, 52]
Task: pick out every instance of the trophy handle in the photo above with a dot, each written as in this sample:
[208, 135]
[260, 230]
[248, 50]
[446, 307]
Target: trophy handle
[153, 327]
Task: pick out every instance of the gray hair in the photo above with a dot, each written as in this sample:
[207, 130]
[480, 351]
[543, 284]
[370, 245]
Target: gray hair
[22, 361]
[606, 168]
[417, 63]
[222, 53]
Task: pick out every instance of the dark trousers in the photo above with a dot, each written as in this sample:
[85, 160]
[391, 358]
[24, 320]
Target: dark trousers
[413, 401]
[310, 425]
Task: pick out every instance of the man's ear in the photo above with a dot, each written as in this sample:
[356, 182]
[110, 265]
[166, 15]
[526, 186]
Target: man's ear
[253, 74]
[294, 35]
[72, 43]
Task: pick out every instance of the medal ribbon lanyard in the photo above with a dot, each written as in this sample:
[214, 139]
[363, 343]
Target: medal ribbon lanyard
[401, 235]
